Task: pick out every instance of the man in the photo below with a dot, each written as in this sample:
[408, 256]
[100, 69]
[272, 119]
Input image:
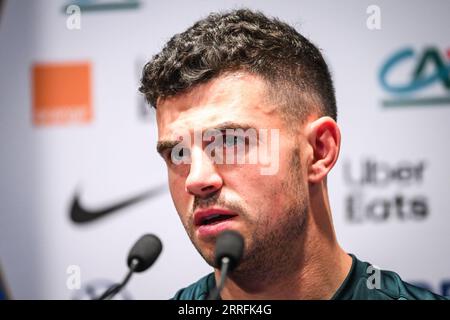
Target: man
[241, 72]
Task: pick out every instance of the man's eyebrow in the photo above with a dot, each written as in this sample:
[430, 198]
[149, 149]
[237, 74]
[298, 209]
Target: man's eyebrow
[231, 125]
[163, 145]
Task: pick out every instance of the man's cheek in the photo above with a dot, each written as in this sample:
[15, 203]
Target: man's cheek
[178, 200]
[177, 194]
[176, 182]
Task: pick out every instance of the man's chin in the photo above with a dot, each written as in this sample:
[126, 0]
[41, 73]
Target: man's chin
[208, 257]
[206, 247]
[206, 250]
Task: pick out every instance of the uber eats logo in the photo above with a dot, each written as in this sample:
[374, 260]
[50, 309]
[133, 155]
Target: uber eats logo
[412, 77]
[379, 191]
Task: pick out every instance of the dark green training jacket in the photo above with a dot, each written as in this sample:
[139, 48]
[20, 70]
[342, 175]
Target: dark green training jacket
[354, 287]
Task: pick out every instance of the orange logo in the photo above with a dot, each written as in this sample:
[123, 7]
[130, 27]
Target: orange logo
[61, 93]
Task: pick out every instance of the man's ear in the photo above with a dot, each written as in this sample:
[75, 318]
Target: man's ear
[324, 137]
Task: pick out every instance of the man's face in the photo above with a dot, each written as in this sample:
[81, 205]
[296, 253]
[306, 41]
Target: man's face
[268, 210]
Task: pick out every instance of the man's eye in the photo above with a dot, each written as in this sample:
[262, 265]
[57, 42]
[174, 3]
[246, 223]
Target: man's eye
[179, 154]
[231, 141]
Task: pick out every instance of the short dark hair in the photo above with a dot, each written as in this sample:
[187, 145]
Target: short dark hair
[242, 40]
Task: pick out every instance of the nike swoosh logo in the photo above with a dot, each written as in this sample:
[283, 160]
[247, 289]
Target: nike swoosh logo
[79, 214]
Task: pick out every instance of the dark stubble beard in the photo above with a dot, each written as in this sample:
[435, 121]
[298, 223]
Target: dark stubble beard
[271, 254]
[269, 251]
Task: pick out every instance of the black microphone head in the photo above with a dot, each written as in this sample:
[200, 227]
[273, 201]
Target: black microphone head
[229, 244]
[146, 250]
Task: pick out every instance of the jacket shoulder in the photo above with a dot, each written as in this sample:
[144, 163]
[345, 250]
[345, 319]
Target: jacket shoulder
[367, 282]
[198, 290]
[398, 289]
[390, 286]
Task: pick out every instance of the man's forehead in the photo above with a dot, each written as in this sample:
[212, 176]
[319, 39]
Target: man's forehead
[232, 98]
[187, 122]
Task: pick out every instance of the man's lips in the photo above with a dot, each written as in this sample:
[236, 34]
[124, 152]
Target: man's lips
[212, 216]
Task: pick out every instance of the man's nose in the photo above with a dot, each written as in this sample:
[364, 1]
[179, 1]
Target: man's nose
[203, 178]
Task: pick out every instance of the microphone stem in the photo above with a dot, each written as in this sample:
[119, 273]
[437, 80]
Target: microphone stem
[113, 290]
[223, 273]
[225, 265]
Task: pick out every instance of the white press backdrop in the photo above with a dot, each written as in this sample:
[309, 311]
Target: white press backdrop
[389, 190]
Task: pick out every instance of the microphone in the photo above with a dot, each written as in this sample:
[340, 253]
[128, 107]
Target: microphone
[141, 257]
[146, 250]
[228, 254]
